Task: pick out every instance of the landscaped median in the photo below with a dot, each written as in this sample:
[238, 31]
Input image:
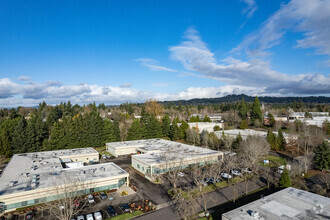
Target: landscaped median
[208, 188]
[126, 216]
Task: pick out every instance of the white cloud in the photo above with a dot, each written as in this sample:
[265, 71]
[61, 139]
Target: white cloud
[250, 8]
[24, 78]
[126, 85]
[195, 56]
[309, 17]
[153, 65]
[54, 93]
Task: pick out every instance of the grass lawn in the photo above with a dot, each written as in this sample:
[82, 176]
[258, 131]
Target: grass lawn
[274, 160]
[99, 149]
[208, 188]
[126, 216]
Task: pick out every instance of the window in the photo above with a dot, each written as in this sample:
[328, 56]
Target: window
[138, 166]
[142, 168]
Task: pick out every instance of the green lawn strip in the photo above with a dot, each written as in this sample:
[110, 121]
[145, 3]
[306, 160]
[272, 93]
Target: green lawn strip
[274, 161]
[207, 189]
[126, 216]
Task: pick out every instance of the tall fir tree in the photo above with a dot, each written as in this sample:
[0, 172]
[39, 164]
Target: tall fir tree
[183, 127]
[322, 156]
[281, 144]
[271, 138]
[256, 113]
[166, 126]
[175, 132]
[285, 180]
[153, 127]
[5, 147]
[135, 132]
[243, 110]
[20, 137]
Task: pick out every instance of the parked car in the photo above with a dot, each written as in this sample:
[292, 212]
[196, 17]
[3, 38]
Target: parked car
[211, 180]
[30, 215]
[103, 196]
[98, 216]
[80, 217]
[246, 170]
[108, 156]
[90, 199]
[125, 208]
[280, 169]
[111, 211]
[89, 217]
[236, 173]
[180, 174]
[110, 196]
[226, 175]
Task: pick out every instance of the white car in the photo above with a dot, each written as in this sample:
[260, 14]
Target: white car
[104, 157]
[246, 170]
[280, 169]
[98, 216]
[226, 175]
[89, 217]
[90, 199]
[180, 174]
[80, 217]
[236, 173]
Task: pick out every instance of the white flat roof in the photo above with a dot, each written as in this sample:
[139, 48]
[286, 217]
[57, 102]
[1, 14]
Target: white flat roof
[289, 203]
[49, 162]
[155, 149]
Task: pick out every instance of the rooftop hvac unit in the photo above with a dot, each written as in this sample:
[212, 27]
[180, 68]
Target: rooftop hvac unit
[102, 169]
[12, 183]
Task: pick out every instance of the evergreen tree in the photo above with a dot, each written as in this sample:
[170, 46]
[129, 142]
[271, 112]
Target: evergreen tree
[153, 127]
[54, 114]
[57, 138]
[271, 138]
[285, 180]
[271, 119]
[206, 119]
[19, 138]
[135, 132]
[166, 126]
[244, 125]
[36, 133]
[243, 110]
[280, 140]
[116, 131]
[175, 132]
[256, 113]
[322, 156]
[5, 147]
[183, 127]
[237, 142]
[216, 128]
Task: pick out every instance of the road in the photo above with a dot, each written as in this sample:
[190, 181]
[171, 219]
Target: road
[214, 198]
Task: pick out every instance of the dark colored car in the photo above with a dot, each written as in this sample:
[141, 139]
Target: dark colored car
[29, 215]
[125, 208]
[103, 196]
[111, 211]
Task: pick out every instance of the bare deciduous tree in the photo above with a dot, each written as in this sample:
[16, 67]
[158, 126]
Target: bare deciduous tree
[254, 147]
[66, 199]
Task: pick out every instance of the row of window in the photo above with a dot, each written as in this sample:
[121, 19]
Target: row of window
[52, 198]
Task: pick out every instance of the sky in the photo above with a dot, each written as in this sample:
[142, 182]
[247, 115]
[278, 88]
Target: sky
[130, 51]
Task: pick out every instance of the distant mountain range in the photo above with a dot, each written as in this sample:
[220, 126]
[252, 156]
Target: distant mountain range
[265, 99]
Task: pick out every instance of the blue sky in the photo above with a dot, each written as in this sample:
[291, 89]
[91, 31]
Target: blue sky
[119, 51]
